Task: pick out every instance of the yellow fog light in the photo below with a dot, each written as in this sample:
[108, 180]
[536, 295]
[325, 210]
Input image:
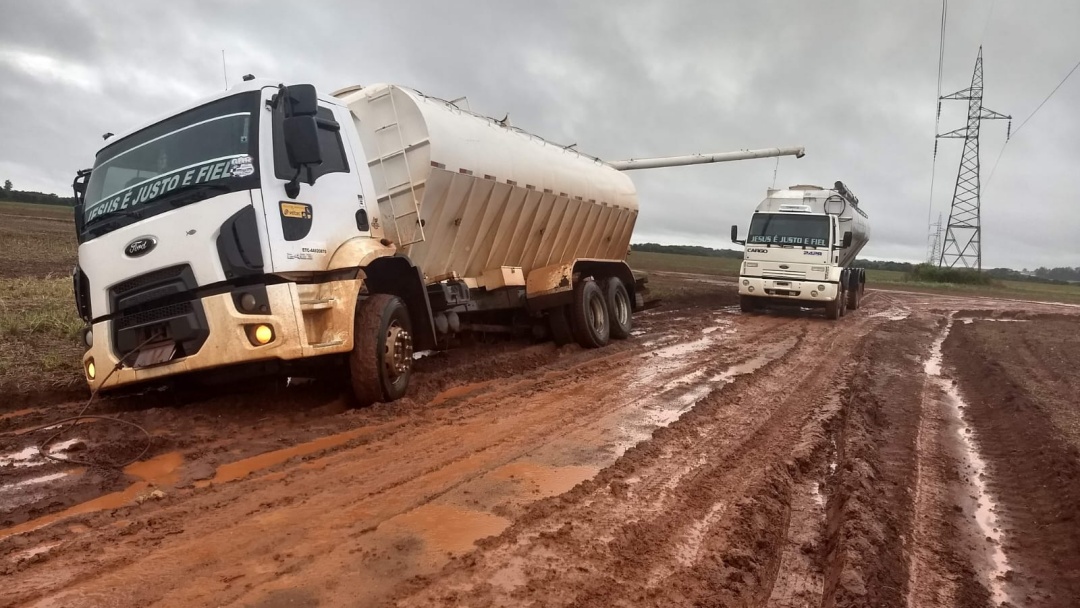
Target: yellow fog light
[91, 371]
[261, 334]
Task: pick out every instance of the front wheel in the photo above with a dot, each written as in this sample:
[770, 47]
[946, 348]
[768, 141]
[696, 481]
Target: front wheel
[834, 310]
[380, 363]
[747, 304]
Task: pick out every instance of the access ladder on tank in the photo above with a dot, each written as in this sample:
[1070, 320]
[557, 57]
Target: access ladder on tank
[397, 175]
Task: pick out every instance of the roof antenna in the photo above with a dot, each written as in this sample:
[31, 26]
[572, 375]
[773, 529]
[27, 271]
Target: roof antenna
[224, 70]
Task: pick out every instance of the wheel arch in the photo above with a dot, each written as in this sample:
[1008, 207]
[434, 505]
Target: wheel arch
[398, 276]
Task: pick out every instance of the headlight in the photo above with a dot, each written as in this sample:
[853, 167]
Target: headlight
[745, 282]
[821, 288]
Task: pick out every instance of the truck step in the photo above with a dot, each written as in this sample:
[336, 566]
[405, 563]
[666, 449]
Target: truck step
[328, 344]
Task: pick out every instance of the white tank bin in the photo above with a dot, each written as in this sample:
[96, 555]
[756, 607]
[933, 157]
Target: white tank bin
[487, 195]
[821, 200]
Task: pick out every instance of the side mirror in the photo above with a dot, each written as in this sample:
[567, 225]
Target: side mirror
[735, 235]
[301, 135]
[846, 241]
[301, 100]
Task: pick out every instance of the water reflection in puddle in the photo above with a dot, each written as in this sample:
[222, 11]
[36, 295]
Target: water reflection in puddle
[985, 505]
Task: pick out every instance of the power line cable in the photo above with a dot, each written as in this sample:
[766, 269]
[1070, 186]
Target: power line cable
[1030, 116]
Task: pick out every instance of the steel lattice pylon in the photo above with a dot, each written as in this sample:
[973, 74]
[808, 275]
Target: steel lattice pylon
[963, 235]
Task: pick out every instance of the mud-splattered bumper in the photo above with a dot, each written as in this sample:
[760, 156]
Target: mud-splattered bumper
[783, 289]
[305, 321]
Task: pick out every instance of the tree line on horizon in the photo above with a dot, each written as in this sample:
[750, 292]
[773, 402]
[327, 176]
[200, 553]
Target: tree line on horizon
[1064, 274]
[10, 194]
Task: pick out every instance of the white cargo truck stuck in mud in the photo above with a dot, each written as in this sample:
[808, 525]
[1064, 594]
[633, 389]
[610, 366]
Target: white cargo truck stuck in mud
[800, 248]
[271, 229]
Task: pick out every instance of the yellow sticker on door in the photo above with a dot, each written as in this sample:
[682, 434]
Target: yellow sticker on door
[296, 210]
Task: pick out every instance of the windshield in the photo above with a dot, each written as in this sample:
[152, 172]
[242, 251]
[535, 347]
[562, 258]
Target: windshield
[789, 229]
[211, 148]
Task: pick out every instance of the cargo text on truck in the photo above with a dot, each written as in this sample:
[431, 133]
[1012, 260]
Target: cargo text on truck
[271, 229]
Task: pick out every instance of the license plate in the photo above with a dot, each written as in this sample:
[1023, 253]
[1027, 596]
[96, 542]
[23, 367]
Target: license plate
[155, 354]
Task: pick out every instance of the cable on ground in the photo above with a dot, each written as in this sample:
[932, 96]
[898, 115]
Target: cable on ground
[82, 415]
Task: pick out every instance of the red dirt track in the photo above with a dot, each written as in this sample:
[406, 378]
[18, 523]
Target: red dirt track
[714, 459]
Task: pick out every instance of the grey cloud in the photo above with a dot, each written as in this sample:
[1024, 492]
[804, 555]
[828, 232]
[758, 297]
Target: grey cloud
[852, 81]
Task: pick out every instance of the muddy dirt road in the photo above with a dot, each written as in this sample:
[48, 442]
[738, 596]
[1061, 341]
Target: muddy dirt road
[714, 459]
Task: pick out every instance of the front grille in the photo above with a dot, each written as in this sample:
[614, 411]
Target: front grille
[784, 274]
[142, 317]
[157, 287]
[157, 276]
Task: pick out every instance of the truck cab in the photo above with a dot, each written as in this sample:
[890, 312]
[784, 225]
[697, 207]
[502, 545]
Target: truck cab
[799, 249]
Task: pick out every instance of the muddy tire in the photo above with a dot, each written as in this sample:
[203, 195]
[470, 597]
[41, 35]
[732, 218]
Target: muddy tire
[854, 297]
[832, 309]
[619, 308]
[747, 304]
[591, 325]
[380, 363]
[559, 324]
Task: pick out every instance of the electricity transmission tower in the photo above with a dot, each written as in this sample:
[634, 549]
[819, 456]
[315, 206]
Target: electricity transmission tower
[935, 243]
[963, 234]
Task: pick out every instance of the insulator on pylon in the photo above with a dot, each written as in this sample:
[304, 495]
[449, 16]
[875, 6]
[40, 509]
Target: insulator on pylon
[1008, 131]
[939, 108]
[935, 149]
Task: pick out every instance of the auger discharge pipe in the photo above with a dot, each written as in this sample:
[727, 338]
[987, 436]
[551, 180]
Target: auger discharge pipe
[701, 159]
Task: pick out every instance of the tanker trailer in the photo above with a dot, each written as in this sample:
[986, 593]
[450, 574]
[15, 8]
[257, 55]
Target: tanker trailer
[270, 229]
[800, 250]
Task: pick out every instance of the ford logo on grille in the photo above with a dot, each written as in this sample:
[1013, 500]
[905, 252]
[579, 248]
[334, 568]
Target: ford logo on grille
[784, 266]
[140, 246]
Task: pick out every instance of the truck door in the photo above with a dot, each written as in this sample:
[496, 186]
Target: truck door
[304, 232]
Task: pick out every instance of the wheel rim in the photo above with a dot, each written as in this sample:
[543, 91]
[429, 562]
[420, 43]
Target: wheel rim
[622, 308]
[399, 350]
[597, 315]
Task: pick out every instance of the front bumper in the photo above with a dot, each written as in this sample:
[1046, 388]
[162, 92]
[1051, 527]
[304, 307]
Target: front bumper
[307, 320]
[810, 292]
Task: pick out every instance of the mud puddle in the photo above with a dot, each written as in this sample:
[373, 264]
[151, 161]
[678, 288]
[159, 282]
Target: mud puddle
[156, 471]
[984, 504]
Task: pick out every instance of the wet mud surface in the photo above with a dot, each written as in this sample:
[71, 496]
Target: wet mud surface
[715, 458]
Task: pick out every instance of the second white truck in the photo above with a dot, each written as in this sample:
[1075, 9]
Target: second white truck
[800, 250]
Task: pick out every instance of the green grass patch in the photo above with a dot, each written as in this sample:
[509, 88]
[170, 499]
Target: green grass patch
[38, 307]
[928, 273]
[672, 262]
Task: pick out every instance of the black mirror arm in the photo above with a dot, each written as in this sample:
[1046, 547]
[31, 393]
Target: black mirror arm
[292, 187]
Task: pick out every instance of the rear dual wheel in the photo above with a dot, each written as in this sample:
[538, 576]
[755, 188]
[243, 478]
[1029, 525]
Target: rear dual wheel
[601, 310]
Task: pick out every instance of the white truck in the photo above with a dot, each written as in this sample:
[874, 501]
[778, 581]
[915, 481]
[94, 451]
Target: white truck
[800, 248]
[271, 229]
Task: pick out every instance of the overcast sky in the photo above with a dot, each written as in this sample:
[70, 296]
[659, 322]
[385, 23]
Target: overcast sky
[854, 82]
